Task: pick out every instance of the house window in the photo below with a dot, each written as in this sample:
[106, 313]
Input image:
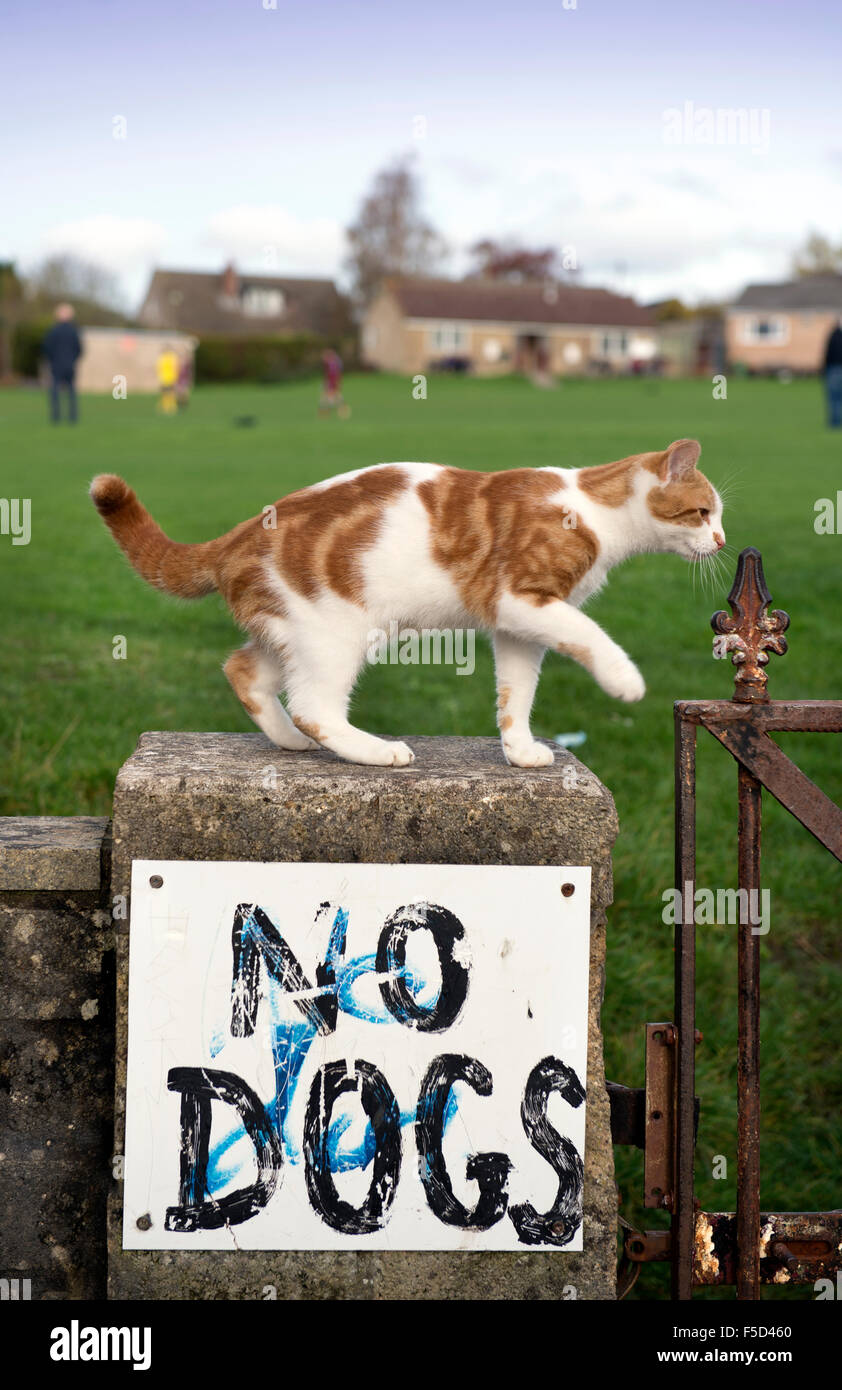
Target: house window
[768, 328]
[261, 303]
[614, 344]
[641, 349]
[449, 337]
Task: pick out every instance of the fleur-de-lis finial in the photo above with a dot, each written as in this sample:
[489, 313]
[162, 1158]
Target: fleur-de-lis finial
[752, 631]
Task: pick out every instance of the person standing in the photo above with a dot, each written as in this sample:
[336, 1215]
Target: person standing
[833, 376]
[62, 348]
[168, 366]
[185, 380]
[331, 398]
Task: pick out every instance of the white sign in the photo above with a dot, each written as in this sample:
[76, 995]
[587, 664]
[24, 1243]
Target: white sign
[356, 1057]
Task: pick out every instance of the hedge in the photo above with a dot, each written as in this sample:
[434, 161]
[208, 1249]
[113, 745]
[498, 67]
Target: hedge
[223, 358]
[26, 345]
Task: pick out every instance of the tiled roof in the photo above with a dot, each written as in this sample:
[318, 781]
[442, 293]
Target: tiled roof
[809, 292]
[196, 302]
[498, 302]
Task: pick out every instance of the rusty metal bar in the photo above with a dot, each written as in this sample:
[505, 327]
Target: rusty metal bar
[784, 779]
[794, 1247]
[685, 1009]
[748, 1042]
[659, 1148]
[782, 716]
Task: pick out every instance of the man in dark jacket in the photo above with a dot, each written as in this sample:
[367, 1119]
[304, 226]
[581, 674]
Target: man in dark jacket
[62, 349]
[833, 376]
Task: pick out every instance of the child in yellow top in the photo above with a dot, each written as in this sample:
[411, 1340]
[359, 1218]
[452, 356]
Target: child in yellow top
[168, 368]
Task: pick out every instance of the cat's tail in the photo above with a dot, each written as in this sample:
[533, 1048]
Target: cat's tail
[186, 571]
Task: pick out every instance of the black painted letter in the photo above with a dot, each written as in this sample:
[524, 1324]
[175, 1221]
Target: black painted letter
[446, 930]
[558, 1225]
[254, 938]
[490, 1170]
[379, 1104]
[198, 1087]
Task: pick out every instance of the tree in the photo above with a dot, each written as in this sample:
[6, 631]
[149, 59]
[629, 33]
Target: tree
[670, 310]
[390, 235]
[80, 281]
[11, 300]
[496, 260]
[818, 257]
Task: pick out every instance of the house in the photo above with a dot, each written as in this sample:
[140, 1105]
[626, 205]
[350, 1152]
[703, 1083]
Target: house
[492, 327]
[242, 305]
[783, 327]
[690, 342]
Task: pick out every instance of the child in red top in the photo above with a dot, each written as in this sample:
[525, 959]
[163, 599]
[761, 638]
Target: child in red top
[332, 385]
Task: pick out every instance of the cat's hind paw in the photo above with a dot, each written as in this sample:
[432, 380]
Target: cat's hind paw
[531, 754]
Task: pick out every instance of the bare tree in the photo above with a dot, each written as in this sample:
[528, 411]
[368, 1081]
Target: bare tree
[73, 278]
[390, 235]
[818, 257]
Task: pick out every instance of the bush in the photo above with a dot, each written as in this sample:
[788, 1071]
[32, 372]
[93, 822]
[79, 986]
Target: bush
[26, 346]
[223, 358]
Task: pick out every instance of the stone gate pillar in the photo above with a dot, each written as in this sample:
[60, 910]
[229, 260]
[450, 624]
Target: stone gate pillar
[235, 797]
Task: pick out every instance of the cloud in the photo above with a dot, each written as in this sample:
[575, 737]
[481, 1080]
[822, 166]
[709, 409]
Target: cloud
[121, 244]
[277, 238]
[700, 226]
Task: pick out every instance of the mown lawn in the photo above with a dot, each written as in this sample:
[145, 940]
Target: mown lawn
[70, 713]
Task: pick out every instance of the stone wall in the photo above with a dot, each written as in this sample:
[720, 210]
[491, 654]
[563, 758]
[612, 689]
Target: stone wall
[236, 797]
[56, 1053]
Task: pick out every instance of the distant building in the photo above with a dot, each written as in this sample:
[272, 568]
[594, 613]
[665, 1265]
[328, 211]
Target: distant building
[111, 355]
[491, 327]
[783, 327]
[243, 305]
[689, 344]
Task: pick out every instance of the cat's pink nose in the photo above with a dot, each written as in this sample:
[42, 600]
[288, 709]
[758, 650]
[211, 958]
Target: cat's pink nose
[719, 539]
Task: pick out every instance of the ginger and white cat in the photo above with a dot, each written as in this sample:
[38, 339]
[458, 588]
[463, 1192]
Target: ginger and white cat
[516, 553]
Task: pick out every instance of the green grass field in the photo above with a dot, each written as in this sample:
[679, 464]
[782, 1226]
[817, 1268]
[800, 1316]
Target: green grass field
[70, 714]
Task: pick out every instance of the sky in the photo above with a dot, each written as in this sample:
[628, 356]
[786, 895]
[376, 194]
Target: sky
[184, 135]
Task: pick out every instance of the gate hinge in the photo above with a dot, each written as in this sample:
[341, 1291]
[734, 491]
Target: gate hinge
[644, 1117]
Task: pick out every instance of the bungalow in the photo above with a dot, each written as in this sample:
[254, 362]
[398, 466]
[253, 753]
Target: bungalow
[783, 327]
[492, 327]
[245, 306]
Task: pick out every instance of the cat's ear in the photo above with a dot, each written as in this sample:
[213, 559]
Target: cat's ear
[679, 460]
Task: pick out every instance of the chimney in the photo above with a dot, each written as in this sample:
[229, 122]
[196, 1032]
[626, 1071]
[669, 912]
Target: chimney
[230, 281]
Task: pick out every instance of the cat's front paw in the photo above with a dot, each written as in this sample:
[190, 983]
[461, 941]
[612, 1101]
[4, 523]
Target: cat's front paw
[402, 754]
[623, 680]
[530, 754]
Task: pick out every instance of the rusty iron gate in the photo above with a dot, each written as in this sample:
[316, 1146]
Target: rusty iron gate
[747, 1248]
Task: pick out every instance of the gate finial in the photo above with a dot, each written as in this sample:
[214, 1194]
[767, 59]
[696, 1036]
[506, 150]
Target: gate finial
[751, 632]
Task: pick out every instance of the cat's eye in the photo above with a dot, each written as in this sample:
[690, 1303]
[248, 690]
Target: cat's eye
[704, 513]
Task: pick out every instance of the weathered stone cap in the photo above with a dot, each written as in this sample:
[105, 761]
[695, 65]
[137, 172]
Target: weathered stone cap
[51, 853]
[230, 796]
